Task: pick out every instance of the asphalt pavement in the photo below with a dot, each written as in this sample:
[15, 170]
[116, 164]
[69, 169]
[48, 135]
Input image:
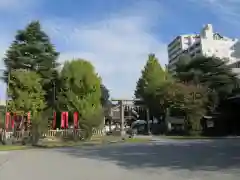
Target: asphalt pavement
[160, 159]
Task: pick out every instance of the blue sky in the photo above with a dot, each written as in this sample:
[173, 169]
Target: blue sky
[116, 35]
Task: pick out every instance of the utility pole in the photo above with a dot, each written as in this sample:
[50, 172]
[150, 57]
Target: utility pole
[122, 118]
[54, 94]
[148, 121]
[54, 87]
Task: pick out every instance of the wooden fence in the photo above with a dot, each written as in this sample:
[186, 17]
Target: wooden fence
[56, 133]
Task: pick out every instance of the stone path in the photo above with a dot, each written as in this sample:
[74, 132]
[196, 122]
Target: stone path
[208, 160]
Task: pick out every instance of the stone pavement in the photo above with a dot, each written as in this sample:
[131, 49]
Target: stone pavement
[206, 160]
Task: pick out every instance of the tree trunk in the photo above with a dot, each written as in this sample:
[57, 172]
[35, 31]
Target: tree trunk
[110, 125]
[35, 135]
[3, 136]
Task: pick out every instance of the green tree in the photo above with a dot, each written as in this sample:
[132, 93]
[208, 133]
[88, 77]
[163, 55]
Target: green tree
[183, 99]
[106, 103]
[81, 92]
[32, 50]
[104, 95]
[2, 117]
[210, 72]
[151, 78]
[27, 95]
[191, 100]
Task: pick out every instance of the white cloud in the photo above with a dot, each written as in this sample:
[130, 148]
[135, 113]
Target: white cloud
[227, 10]
[117, 46]
[3, 45]
[20, 11]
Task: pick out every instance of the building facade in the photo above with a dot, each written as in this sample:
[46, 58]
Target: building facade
[206, 43]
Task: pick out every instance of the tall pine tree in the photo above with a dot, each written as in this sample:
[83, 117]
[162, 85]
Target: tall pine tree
[33, 51]
[152, 75]
[151, 78]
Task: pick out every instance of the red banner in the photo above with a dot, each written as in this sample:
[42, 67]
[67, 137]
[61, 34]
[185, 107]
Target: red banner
[13, 120]
[54, 120]
[7, 120]
[75, 119]
[63, 119]
[66, 119]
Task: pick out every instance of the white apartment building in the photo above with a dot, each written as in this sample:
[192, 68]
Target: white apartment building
[207, 43]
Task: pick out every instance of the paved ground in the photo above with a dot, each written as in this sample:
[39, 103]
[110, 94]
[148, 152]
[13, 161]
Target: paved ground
[167, 160]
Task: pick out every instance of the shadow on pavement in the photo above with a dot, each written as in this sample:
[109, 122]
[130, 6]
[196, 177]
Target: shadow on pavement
[209, 156]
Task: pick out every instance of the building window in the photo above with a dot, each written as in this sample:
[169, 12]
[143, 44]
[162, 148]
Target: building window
[238, 65]
[191, 48]
[197, 44]
[198, 51]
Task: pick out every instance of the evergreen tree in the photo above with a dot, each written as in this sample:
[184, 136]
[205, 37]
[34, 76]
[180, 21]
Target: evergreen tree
[210, 72]
[151, 76]
[32, 50]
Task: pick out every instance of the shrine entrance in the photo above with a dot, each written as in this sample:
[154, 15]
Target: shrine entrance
[123, 113]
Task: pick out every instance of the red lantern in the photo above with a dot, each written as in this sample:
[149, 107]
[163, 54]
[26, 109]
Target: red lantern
[75, 119]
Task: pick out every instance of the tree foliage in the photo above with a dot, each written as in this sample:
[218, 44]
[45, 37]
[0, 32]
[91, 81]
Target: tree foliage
[152, 77]
[191, 100]
[26, 92]
[81, 92]
[27, 95]
[216, 76]
[106, 103]
[161, 93]
[184, 99]
[210, 71]
[104, 95]
[32, 50]
[34, 81]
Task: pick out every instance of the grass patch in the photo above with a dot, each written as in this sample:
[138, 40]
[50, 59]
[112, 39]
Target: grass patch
[12, 147]
[118, 139]
[57, 144]
[68, 143]
[186, 137]
[103, 140]
[137, 140]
